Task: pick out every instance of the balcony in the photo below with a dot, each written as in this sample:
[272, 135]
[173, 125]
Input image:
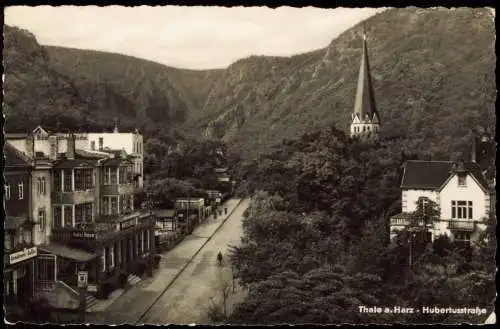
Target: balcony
[87, 232]
[104, 228]
[73, 197]
[407, 219]
[461, 225]
[118, 189]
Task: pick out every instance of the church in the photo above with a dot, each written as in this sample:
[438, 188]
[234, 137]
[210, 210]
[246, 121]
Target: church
[365, 121]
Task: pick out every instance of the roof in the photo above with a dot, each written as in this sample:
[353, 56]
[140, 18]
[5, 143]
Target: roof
[432, 175]
[365, 96]
[68, 252]
[116, 162]
[16, 135]
[14, 157]
[67, 163]
[90, 154]
[405, 215]
[164, 212]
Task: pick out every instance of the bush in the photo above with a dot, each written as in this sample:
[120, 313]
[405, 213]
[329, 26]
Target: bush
[216, 314]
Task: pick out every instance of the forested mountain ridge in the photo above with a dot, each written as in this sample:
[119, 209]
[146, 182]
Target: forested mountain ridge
[433, 73]
[158, 92]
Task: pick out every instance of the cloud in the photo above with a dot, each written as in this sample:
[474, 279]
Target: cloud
[188, 37]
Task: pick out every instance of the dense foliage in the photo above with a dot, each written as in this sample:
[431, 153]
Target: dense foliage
[316, 245]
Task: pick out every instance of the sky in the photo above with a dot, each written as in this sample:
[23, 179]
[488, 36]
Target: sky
[187, 37]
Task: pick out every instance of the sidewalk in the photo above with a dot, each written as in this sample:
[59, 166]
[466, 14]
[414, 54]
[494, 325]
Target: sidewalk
[130, 306]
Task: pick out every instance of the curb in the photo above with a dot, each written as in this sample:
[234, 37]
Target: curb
[188, 262]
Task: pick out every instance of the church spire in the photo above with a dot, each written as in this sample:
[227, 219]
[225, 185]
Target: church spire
[365, 117]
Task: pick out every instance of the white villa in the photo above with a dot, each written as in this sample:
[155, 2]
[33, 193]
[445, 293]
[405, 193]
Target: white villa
[460, 190]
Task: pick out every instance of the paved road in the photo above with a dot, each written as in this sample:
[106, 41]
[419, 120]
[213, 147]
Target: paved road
[190, 288]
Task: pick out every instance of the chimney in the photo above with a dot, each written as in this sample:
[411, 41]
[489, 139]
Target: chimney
[70, 151]
[474, 150]
[53, 147]
[30, 146]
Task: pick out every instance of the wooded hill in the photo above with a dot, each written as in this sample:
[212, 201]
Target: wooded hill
[433, 72]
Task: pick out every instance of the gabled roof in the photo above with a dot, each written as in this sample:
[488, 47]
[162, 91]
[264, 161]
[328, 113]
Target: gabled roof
[364, 107]
[432, 175]
[15, 158]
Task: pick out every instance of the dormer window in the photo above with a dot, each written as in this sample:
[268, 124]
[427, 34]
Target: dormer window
[462, 180]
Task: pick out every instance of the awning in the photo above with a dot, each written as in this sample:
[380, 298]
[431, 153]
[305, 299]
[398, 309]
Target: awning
[68, 252]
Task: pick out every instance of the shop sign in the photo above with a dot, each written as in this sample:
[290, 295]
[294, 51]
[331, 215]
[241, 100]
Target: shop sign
[83, 277]
[84, 235]
[25, 254]
[92, 288]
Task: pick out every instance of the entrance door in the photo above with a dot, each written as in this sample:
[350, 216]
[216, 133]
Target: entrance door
[45, 271]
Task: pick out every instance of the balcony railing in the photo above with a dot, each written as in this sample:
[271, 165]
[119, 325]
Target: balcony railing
[73, 197]
[460, 225]
[103, 227]
[399, 221]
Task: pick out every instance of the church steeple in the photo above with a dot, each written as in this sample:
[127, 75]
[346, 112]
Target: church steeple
[365, 119]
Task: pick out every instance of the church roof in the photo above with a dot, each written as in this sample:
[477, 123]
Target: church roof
[365, 96]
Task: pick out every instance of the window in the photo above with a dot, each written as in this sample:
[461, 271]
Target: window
[41, 186]
[83, 179]
[461, 209]
[122, 175]
[462, 180]
[147, 240]
[68, 216]
[42, 218]
[103, 260]
[92, 145]
[57, 216]
[20, 191]
[101, 143]
[57, 181]
[105, 206]
[67, 180]
[140, 245]
[8, 241]
[110, 176]
[114, 205]
[7, 191]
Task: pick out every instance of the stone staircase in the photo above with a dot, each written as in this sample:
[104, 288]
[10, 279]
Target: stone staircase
[133, 279]
[90, 302]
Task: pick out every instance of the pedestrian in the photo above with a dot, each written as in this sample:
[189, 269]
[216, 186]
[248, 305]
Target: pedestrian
[225, 210]
[219, 258]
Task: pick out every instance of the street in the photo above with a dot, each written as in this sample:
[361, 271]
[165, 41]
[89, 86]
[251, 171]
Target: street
[191, 288]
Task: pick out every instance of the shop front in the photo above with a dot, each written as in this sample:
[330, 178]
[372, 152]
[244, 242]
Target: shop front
[19, 276]
[108, 251]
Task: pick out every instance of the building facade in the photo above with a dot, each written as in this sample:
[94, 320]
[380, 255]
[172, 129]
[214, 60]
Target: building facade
[20, 250]
[82, 208]
[459, 189]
